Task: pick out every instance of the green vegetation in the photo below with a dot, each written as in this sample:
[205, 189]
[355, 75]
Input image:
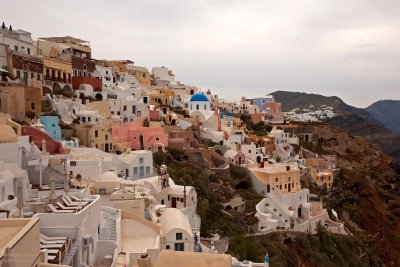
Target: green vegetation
[322, 249]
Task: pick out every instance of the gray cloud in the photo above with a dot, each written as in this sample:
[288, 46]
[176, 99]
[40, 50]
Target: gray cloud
[344, 48]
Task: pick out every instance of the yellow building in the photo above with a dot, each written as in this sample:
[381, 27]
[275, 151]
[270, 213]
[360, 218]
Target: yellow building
[285, 177]
[142, 74]
[57, 71]
[95, 136]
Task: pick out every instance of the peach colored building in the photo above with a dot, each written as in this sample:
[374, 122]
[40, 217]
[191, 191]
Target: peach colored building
[320, 172]
[17, 101]
[138, 137]
[285, 177]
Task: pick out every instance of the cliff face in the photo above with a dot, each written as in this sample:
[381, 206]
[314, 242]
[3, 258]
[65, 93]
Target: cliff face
[354, 121]
[367, 189]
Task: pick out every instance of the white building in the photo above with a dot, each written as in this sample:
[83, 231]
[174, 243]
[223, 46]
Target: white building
[105, 74]
[128, 109]
[91, 163]
[17, 41]
[176, 233]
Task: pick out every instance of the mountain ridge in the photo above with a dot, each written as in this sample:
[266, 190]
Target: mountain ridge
[353, 120]
[387, 112]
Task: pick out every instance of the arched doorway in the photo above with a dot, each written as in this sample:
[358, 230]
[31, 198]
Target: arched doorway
[99, 97]
[57, 89]
[299, 210]
[67, 91]
[47, 91]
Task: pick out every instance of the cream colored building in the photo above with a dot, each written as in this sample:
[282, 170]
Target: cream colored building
[176, 233]
[19, 242]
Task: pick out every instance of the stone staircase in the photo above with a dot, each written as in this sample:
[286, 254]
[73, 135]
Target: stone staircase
[71, 253]
[111, 226]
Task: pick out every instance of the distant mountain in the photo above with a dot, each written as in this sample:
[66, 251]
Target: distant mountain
[387, 112]
[293, 100]
[355, 121]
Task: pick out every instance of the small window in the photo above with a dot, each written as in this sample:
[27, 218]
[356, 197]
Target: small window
[167, 247]
[141, 160]
[72, 163]
[15, 48]
[96, 133]
[148, 170]
[135, 171]
[178, 236]
[38, 77]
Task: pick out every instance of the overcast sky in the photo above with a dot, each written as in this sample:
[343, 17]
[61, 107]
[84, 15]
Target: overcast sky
[347, 48]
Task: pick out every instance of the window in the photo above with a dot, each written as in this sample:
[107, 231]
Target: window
[72, 163]
[179, 246]
[167, 247]
[32, 75]
[96, 133]
[18, 74]
[15, 48]
[148, 170]
[83, 119]
[178, 236]
[197, 107]
[135, 171]
[133, 109]
[141, 160]
[29, 51]
[157, 139]
[125, 108]
[106, 137]
[205, 107]
[276, 179]
[89, 119]
[38, 77]
[33, 106]
[47, 72]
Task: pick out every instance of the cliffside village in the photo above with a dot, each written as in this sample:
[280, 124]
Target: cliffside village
[78, 185]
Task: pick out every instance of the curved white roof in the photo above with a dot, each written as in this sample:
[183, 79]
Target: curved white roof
[172, 218]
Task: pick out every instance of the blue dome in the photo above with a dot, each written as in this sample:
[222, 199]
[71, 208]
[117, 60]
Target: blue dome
[199, 97]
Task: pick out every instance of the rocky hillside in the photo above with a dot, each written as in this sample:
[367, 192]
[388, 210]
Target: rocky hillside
[365, 195]
[355, 121]
[368, 190]
[387, 112]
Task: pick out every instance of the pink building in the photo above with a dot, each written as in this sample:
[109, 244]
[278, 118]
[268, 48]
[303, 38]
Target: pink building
[137, 137]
